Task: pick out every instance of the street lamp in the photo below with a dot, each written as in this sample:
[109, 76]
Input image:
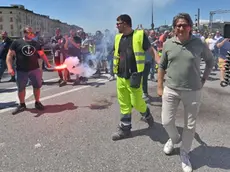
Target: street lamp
[152, 25]
[196, 21]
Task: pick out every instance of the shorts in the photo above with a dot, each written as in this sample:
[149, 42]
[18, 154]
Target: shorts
[221, 63]
[35, 77]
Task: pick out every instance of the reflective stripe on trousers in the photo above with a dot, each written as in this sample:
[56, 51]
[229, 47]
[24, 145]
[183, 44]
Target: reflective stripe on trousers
[129, 97]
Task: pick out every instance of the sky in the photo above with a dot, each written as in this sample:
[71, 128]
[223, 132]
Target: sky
[95, 15]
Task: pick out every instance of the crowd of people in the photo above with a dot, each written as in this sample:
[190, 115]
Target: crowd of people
[132, 55]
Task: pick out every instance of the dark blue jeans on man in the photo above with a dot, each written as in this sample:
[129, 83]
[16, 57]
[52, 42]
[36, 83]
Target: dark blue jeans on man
[3, 67]
[110, 61]
[145, 77]
[152, 69]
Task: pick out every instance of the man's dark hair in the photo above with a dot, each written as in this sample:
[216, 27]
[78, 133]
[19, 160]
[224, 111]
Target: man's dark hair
[185, 16]
[125, 18]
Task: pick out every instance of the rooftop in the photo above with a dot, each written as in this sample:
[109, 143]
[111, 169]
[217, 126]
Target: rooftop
[22, 7]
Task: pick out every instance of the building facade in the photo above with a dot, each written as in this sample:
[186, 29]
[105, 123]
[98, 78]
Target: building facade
[13, 18]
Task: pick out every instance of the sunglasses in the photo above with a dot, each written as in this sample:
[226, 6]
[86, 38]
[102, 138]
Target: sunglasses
[182, 25]
[29, 33]
[118, 24]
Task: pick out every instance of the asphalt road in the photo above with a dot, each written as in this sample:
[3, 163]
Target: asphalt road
[73, 134]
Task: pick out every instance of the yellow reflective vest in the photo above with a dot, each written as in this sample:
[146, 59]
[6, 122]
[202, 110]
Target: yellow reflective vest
[137, 49]
[92, 48]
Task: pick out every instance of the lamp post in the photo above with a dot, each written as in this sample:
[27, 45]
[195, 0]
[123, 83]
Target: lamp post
[152, 25]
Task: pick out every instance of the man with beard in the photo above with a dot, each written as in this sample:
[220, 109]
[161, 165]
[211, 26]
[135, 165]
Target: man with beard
[129, 62]
[27, 52]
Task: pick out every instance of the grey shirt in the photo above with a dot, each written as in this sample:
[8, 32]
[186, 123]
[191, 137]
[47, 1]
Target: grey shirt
[182, 63]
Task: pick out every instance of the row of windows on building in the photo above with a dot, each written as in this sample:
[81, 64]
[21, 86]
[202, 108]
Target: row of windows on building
[10, 12]
[1, 19]
[11, 27]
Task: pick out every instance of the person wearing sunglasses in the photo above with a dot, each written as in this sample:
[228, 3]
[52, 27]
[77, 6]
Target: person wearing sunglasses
[27, 52]
[181, 58]
[128, 64]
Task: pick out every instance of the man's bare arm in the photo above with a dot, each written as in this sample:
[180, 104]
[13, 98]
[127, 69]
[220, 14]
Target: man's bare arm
[219, 45]
[44, 57]
[160, 77]
[10, 58]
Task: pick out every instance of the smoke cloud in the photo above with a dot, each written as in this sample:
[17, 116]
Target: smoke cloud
[82, 69]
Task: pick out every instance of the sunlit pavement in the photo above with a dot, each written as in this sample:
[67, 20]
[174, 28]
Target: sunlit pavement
[73, 134]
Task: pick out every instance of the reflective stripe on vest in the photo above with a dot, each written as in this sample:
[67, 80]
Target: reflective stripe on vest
[139, 53]
[92, 49]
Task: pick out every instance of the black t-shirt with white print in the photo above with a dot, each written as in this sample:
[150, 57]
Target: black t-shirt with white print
[26, 54]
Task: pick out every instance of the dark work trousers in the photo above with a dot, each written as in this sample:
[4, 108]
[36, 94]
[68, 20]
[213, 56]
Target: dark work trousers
[57, 60]
[152, 69]
[146, 71]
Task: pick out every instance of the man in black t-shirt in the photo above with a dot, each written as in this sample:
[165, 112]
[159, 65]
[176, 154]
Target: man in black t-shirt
[27, 52]
[129, 61]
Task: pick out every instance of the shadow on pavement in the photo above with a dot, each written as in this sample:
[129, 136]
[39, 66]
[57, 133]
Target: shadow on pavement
[95, 84]
[99, 105]
[50, 83]
[212, 79]
[96, 76]
[53, 109]
[10, 90]
[204, 155]
[6, 105]
[211, 74]
[158, 134]
[211, 156]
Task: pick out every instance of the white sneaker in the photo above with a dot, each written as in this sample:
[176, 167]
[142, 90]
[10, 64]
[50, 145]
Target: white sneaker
[186, 165]
[111, 78]
[169, 146]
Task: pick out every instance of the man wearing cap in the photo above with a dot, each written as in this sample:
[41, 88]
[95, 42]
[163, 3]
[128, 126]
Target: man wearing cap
[27, 52]
[4, 47]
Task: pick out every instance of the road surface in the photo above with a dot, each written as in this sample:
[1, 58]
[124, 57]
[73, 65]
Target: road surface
[73, 134]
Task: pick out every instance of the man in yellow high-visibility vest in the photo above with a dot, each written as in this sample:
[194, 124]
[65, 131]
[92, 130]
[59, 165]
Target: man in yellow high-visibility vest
[129, 62]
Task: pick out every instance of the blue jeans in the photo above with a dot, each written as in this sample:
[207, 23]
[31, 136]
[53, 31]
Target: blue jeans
[145, 77]
[3, 67]
[110, 61]
[152, 68]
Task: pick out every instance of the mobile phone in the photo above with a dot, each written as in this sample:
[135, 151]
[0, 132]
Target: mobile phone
[227, 30]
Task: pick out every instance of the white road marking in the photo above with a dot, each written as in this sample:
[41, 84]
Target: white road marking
[56, 95]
